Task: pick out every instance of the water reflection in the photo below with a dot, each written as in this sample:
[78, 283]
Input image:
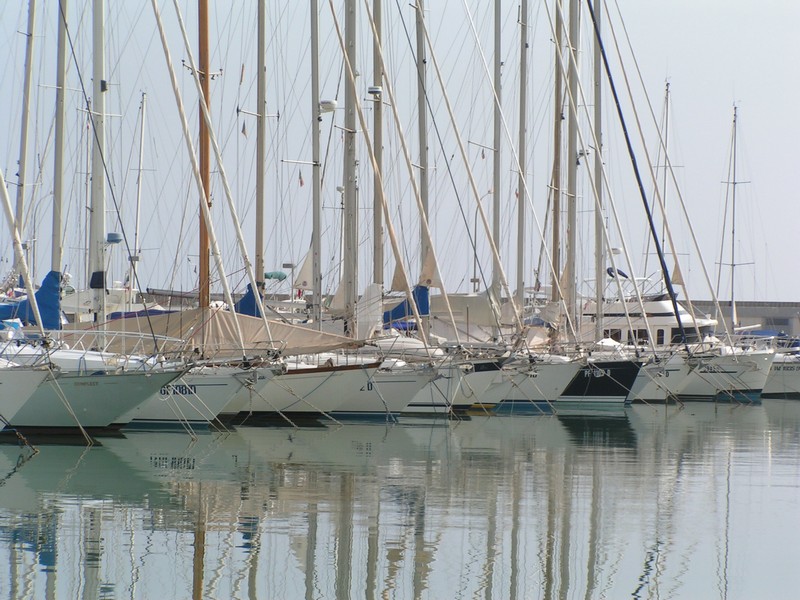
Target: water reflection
[647, 502]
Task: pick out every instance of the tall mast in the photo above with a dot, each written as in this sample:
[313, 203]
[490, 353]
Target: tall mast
[521, 187]
[26, 103]
[135, 257]
[316, 192]
[734, 316]
[204, 279]
[377, 137]
[572, 158]
[97, 218]
[261, 142]
[555, 181]
[350, 225]
[496, 166]
[422, 125]
[599, 245]
[58, 163]
[666, 163]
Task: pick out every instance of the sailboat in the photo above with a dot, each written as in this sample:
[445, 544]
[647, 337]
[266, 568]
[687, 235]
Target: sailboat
[324, 383]
[715, 370]
[86, 388]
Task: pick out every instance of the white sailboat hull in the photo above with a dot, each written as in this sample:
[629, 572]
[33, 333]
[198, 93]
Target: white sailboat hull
[739, 376]
[197, 398]
[458, 386]
[97, 400]
[387, 392]
[17, 385]
[533, 387]
[660, 381]
[360, 390]
[783, 380]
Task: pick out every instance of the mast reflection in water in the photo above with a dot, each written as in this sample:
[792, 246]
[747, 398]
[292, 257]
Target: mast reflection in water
[646, 502]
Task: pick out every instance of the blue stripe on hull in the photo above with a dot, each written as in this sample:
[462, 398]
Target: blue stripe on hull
[746, 396]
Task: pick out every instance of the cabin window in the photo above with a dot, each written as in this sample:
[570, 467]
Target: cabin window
[642, 336]
[660, 337]
[614, 334]
[691, 335]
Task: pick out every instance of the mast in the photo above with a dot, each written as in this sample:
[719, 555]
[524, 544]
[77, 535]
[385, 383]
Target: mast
[496, 166]
[571, 295]
[555, 181]
[422, 125]
[261, 141]
[58, 162]
[26, 103]
[521, 187]
[204, 275]
[350, 225]
[599, 245]
[377, 136]
[97, 220]
[639, 183]
[316, 192]
[734, 316]
[666, 158]
[135, 257]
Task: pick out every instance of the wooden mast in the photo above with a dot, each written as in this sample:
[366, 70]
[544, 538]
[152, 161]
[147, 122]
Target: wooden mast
[204, 275]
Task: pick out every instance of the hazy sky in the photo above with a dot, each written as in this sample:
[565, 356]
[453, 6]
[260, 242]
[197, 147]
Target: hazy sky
[714, 54]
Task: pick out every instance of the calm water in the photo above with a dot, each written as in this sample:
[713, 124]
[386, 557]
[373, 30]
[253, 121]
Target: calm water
[649, 502]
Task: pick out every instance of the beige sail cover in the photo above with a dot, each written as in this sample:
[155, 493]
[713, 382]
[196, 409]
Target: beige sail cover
[430, 273]
[336, 306]
[399, 283]
[211, 332]
[677, 276]
[305, 276]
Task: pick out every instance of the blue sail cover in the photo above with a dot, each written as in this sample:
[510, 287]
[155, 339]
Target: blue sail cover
[136, 314]
[48, 297]
[403, 311]
[247, 305]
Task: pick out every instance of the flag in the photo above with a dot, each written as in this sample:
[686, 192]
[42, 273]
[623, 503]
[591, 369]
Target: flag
[244, 129]
[300, 178]
[483, 153]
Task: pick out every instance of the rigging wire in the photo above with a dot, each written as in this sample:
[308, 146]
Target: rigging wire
[105, 167]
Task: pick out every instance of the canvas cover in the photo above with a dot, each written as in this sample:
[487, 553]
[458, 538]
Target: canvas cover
[211, 333]
[48, 299]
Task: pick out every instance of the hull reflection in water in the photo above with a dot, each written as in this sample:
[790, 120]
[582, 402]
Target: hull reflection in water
[637, 502]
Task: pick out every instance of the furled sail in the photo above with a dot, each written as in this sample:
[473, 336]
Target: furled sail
[305, 276]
